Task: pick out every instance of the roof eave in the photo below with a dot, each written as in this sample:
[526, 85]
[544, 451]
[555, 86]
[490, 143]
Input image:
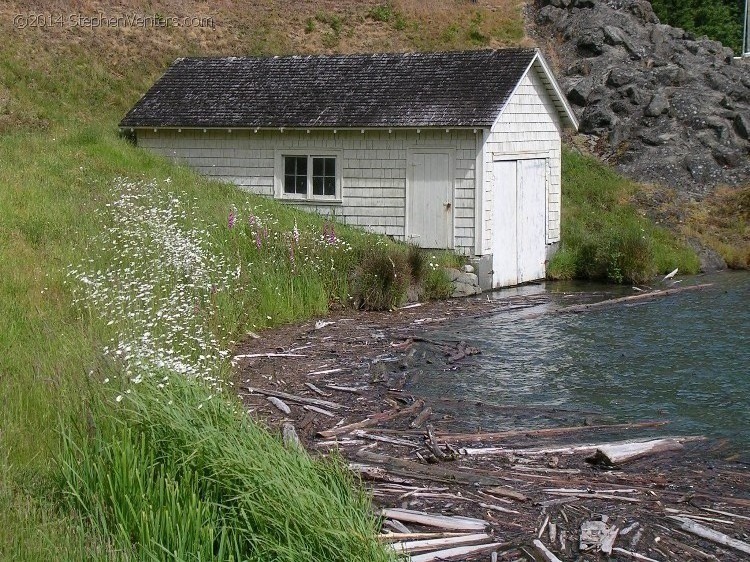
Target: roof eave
[567, 115]
[564, 109]
[477, 127]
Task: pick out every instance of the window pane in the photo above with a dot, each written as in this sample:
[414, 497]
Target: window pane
[301, 165]
[295, 174]
[289, 165]
[302, 184]
[318, 167]
[330, 167]
[330, 188]
[318, 185]
[288, 183]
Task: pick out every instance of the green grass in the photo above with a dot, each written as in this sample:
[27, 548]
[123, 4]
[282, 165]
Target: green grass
[722, 222]
[170, 474]
[604, 236]
[54, 215]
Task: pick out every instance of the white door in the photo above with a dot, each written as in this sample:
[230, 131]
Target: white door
[532, 219]
[504, 229]
[519, 221]
[430, 199]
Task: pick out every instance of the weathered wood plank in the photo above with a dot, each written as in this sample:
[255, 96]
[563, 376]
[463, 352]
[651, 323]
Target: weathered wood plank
[294, 398]
[411, 469]
[545, 552]
[710, 534]
[632, 298]
[439, 521]
[456, 553]
[432, 544]
[619, 453]
[453, 437]
[372, 420]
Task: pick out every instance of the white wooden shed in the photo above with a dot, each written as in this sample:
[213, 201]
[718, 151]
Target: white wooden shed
[457, 150]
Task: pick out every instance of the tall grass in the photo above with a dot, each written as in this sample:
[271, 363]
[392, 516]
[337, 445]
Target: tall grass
[171, 474]
[603, 235]
[177, 471]
[722, 222]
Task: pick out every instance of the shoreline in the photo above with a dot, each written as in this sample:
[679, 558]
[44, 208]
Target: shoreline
[343, 384]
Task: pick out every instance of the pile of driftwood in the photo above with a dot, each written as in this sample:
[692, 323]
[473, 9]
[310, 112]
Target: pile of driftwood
[590, 490]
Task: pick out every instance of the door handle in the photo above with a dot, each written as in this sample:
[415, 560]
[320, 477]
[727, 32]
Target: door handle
[447, 206]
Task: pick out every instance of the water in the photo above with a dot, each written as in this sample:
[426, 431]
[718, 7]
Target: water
[683, 358]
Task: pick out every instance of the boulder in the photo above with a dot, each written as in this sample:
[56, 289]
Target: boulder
[659, 104]
[614, 35]
[579, 92]
[467, 279]
[617, 37]
[597, 119]
[465, 283]
[653, 137]
[702, 167]
[452, 273]
[726, 156]
[718, 126]
[622, 107]
[635, 95]
[642, 10]
[553, 17]
[465, 290]
[619, 77]
[710, 259]
[742, 125]
[590, 43]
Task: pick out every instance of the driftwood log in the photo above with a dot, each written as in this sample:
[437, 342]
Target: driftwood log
[439, 521]
[432, 544]
[458, 553]
[373, 420]
[714, 536]
[619, 453]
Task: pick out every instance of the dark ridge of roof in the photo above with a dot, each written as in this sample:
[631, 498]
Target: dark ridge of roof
[457, 89]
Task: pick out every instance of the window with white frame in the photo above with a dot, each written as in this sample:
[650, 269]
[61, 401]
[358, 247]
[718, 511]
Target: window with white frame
[306, 176]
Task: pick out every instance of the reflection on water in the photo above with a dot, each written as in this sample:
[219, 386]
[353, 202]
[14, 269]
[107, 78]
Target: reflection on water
[685, 358]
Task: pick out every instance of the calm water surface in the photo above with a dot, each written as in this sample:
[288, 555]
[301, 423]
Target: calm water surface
[685, 358]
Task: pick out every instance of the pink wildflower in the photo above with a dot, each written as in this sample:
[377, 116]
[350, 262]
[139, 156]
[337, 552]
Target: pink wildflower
[257, 239]
[295, 233]
[232, 218]
[329, 232]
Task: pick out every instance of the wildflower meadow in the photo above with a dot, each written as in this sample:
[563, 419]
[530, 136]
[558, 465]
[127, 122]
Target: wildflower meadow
[169, 465]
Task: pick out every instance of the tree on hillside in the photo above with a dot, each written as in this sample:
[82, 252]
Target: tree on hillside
[721, 20]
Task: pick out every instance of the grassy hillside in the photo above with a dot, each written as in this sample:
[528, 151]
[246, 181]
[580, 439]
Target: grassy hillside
[605, 236]
[62, 91]
[92, 236]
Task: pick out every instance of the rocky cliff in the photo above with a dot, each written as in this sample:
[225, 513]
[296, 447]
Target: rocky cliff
[660, 104]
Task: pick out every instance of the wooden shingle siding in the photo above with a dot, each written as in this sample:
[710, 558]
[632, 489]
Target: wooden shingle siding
[529, 124]
[373, 168]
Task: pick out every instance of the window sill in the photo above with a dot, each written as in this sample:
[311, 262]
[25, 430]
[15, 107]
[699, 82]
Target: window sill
[312, 202]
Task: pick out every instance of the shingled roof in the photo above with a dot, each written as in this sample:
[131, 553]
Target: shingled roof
[453, 89]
